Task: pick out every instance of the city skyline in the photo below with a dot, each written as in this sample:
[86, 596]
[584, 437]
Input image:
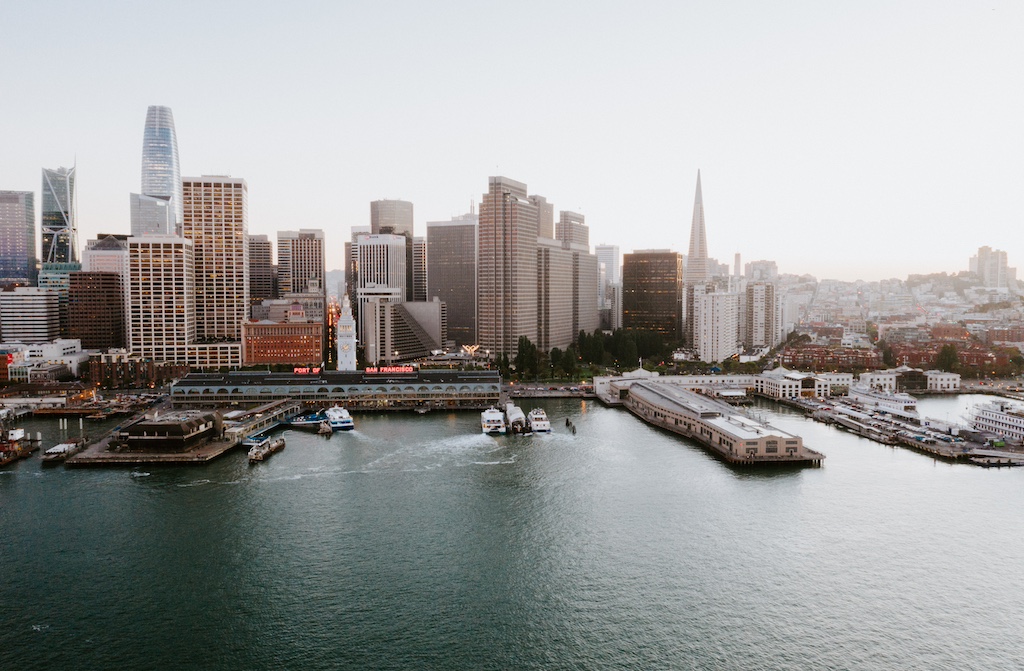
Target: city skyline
[809, 124]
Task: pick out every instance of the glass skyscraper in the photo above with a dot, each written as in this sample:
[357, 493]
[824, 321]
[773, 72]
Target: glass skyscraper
[17, 237]
[161, 173]
[60, 234]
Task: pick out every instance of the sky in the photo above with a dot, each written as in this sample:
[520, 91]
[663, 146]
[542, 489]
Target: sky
[863, 140]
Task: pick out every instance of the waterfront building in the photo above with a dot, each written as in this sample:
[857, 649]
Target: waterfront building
[17, 238]
[59, 216]
[1002, 418]
[161, 172]
[506, 267]
[152, 215]
[346, 337]
[698, 270]
[652, 290]
[96, 314]
[262, 271]
[451, 273]
[394, 217]
[161, 288]
[169, 432]
[29, 315]
[375, 388]
[215, 219]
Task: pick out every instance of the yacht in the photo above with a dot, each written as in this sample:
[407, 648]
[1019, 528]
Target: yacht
[492, 421]
[339, 419]
[538, 420]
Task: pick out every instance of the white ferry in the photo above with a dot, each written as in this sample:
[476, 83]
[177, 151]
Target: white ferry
[339, 419]
[896, 404]
[492, 420]
[516, 418]
[1001, 418]
[538, 420]
[263, 449]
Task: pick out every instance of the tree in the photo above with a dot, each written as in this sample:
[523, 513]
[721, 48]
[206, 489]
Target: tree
[947, 358]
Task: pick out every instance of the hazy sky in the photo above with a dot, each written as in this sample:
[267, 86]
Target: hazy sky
[843, 139]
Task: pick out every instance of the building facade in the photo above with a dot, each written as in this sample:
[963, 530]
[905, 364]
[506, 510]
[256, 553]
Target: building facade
[59, 216]
[652, 292]
[96, 314]
[215, 219]
[17, 238]
[161, 287]
[395, 217]
[451, 273]
[262, 272]
[29, 315]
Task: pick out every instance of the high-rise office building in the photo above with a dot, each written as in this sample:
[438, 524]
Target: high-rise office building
[652, 289]
[608, 256]
[419, 269]
[60, 219]
[300, 258]
[609, 287]
[394, 217]
[571, 228]
[96, 309]
[29, 315]
[697, 267]
[17, 238]
[506, 267]
[162, 290]
[451, 273]
[555, 295]
[545, 217]
[152, 215]
[215, 219]
[262, 272]
[161, 172]
[57, 278]
[382, 275]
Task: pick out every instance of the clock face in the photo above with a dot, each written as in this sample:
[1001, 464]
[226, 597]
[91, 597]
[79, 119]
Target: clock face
[346, 347]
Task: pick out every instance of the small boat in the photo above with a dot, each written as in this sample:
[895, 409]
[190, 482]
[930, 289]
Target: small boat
[263, 449]
[339, 419]
[492, 420]
[538, 420]
[516, 418]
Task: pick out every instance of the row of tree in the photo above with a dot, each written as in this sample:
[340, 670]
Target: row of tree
[623, 348]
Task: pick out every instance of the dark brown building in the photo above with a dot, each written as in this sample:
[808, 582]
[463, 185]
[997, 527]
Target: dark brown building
[652, 292]
[96, 309]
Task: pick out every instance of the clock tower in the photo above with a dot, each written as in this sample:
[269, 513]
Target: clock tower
[346, 332]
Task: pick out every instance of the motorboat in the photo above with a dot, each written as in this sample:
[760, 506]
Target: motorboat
[516, 418]
[538, 420]
[492, 420]
[339, 419]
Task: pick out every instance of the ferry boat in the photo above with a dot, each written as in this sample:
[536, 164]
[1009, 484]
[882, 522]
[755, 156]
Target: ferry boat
[1001, 418]
[538, 420]
[516, 418]
[263, 449]
[339, 419]
[492, 421]
[15, 446]
[310, 421]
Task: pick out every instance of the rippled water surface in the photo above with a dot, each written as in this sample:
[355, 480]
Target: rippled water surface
[416, 542]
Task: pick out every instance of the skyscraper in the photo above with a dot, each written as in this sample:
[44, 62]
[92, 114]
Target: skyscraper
[60, 220]
[17, 237]
[394, 217]
[161, 172]
[451, 273]
[300, 258]
[261, 270]
[506, 267]
[162, 290]
[216, 221]
[697, 270]
[652, 285]
[762, 329]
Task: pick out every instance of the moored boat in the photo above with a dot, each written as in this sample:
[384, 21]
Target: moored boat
[516, 418]
[492, 420]
[266, 447]
[339, 419]
[538, 420]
